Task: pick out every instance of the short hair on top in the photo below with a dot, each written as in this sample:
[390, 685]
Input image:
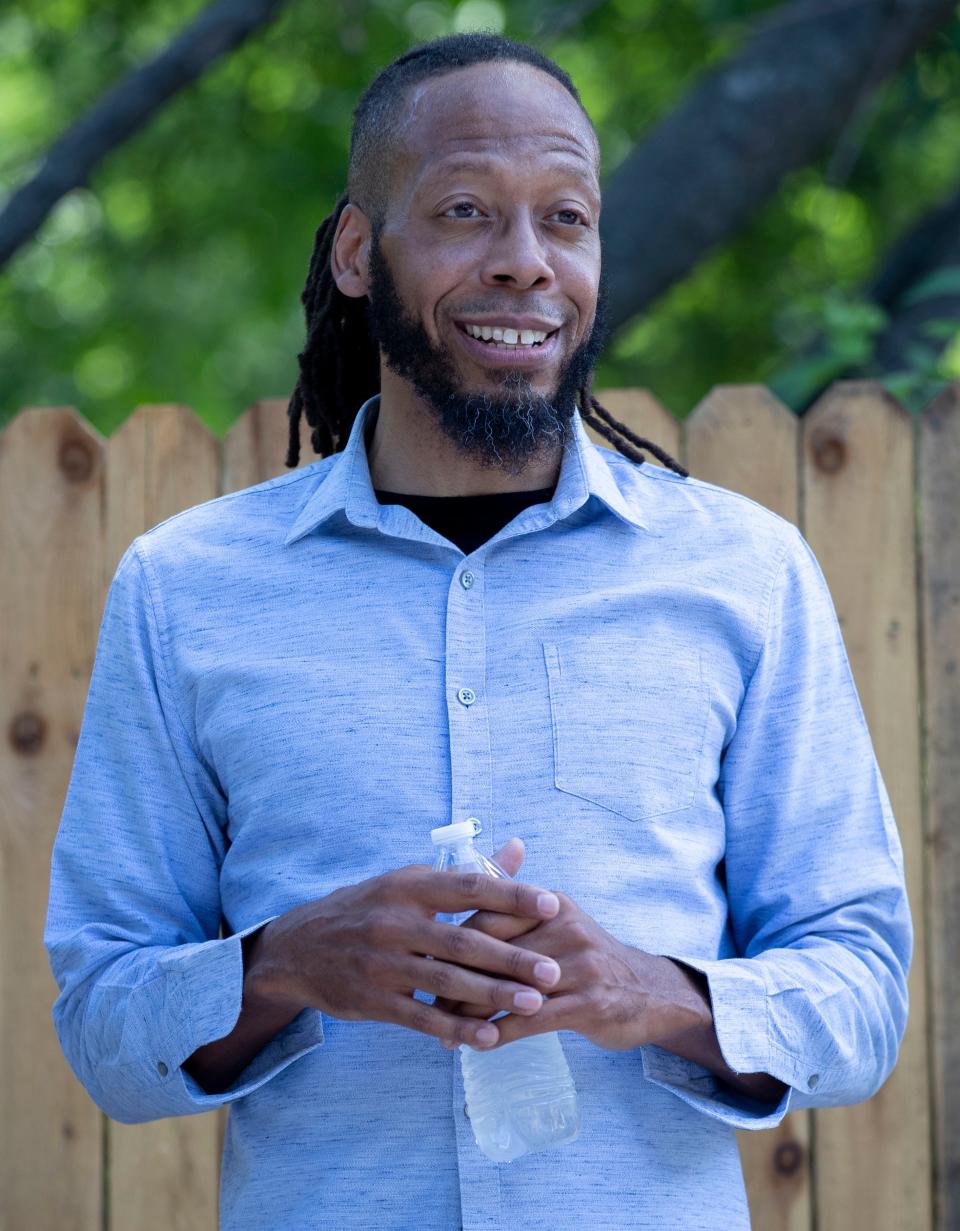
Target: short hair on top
[379, 119]
[340, 362]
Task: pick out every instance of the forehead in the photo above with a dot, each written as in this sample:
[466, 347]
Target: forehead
[506, 109]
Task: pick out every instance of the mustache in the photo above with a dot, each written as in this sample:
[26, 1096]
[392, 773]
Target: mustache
[507, 309]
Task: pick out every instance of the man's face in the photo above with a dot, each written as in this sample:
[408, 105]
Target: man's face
[493, 224]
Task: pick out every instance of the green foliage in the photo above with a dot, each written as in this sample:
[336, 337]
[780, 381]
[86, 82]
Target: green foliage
[838, 330]
[945, 281]
[175, 274]
[930, 368]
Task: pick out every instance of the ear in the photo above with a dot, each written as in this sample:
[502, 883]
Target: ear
[349, 258]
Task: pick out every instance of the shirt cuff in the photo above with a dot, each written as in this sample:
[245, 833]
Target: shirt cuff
[740, 1004]
[206, 1005]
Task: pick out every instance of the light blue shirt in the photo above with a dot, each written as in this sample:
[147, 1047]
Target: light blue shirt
[644, 679]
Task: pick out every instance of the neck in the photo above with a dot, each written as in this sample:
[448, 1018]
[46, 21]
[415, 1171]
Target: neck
[409, 453]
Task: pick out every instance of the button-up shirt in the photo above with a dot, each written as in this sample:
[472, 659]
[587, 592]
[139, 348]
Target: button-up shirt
[644, 678]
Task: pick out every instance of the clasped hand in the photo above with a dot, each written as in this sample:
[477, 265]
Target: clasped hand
[606, 990]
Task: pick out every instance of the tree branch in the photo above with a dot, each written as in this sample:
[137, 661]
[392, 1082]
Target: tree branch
[707, 167]
[124, 109]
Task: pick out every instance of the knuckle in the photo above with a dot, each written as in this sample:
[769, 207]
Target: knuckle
[516, 962]
[500, 995]
[459, 943]
[421, 1020]
[523, 898]
[442, 978]
[471, 883]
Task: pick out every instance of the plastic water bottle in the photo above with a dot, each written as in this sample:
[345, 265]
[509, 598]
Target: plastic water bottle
[520, 1097]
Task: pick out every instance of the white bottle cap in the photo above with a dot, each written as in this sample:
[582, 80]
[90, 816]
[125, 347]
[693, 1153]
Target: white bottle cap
[456, 832]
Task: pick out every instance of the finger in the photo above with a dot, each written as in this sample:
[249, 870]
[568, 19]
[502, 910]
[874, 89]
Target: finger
[427, 1019]
[442, 977]
[467, 947]
[463, 1008]
[452, 891]
[510, 856]
[557, 1014]
[503, 927]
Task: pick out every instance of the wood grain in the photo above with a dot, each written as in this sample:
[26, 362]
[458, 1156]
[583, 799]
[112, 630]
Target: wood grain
[872, 1166]
[939, 471]
[724, 436]
[164, 1175]
[255, 447]
[71, 504]
[51, 504]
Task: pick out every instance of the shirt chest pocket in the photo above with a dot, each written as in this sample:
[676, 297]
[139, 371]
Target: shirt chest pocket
[629, 722]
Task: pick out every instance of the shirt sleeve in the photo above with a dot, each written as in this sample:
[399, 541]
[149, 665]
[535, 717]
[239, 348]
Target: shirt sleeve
[817, 994]
[133, 919]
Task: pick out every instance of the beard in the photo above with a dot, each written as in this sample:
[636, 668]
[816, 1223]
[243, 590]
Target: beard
[505, 428]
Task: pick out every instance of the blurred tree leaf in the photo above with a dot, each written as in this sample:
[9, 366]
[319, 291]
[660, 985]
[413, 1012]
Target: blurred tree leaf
[942, 282]
[175, 272]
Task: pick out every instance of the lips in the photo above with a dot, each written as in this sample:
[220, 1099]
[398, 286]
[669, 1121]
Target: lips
[490, 355]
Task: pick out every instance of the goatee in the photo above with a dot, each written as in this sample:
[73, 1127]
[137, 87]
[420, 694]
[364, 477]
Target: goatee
[505, 428]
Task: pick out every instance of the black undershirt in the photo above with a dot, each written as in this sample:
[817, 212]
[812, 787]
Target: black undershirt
[467, 521]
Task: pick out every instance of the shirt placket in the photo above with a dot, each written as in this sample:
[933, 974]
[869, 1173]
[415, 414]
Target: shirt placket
[471, 796]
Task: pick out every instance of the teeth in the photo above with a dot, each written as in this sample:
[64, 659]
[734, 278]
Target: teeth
[506, 337]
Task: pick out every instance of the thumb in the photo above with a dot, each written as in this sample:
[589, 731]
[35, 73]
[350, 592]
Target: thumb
[510, 856]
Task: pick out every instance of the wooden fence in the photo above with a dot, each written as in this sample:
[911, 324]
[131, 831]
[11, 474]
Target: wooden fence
[877, 495]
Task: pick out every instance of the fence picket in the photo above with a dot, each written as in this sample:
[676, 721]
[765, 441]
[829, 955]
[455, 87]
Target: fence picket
[164, 1173]
[255, 447]
[724, 436]
[940, 591]
[872, 1160]
[51, 503]
[70, 504]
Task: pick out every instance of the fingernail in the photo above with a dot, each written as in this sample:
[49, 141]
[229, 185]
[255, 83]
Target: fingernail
[487, 1034]
[549, 972]
[527, 1000]
[548, 903]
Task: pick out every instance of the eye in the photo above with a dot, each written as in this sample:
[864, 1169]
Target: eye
[459, 205]
[575, 216]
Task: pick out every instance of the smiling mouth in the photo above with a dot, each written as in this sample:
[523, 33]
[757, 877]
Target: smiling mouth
[494, 337]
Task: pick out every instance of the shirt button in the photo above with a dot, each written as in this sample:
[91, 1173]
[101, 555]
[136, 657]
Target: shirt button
[466, 580]
[162, 1068]
[467, 696]
[812, 1080]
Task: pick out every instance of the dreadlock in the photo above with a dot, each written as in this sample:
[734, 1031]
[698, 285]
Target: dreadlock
[340, 363]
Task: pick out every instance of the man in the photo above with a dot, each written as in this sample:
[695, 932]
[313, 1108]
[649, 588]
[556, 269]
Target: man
[639, 673]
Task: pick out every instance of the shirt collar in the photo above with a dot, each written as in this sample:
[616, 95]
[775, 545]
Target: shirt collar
[346, 487]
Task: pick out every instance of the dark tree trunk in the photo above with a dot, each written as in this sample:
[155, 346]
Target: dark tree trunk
[706, 168]
[126, 108]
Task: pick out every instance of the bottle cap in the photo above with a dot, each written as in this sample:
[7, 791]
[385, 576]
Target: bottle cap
[456, 832]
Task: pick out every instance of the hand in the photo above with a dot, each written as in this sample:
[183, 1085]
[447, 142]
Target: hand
[615, 996]
[360, 952]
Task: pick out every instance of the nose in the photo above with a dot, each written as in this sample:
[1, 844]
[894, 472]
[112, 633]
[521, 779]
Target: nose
[516, 256]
